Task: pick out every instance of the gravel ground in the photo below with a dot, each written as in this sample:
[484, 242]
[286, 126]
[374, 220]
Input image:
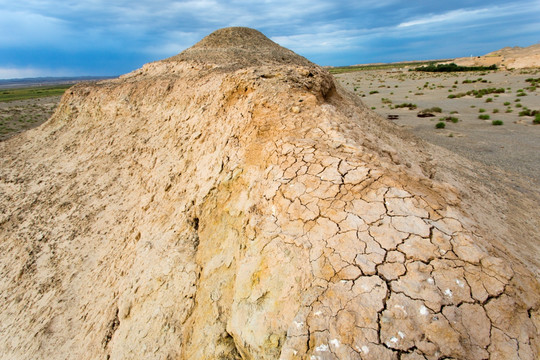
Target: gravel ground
[513, 147]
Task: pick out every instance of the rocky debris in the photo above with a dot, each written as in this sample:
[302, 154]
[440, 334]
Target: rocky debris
[201, 208]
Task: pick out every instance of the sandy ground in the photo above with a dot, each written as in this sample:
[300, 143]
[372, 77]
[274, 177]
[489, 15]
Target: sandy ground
[513, 147]
[20, 115]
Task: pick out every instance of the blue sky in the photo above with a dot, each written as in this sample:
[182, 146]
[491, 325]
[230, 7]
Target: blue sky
[112, 37]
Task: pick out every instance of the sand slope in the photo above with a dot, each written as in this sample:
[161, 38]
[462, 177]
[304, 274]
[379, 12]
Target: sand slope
[510, 58]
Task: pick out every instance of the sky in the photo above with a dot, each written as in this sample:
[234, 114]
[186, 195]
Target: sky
[113, 37]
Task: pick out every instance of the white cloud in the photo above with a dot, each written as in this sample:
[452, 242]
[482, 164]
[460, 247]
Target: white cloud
[172, 43]
[24, 28]
[454, 15]
[467, 15]
[30, 72]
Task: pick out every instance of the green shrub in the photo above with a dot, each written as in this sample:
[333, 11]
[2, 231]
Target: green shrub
[536, 119]
[477, 93]
[497, 122]
[488, 100]
[495, 111]
[373, 92]
[518, 105]
[406, 105]
[453, 67]
[528, 112]
[481, 110]
[506, 103]
[483, 117]
[440, 125]
[521, 94]
[534, 82]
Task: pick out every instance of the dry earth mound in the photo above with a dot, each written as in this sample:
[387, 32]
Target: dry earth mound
[510, 58]
[232, 203]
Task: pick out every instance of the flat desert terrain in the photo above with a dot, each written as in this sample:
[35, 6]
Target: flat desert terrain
[513, 147]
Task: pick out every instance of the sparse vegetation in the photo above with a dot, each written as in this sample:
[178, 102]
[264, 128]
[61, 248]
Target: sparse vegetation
[410, 106]
[345, 69]
[450, 119]
[453, 68]
[440, 125]
[529, 112]
[473, 81]
[483, 117]
[497, 122]
[533, 82]
[477, 93]
[32, 93]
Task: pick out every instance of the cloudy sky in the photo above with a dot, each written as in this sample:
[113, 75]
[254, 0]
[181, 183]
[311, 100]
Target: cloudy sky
[112, 37]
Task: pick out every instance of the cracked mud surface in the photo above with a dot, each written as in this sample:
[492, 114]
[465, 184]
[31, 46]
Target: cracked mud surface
[192, 211]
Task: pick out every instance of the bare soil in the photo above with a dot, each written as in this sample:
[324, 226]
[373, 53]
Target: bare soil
[21, 115]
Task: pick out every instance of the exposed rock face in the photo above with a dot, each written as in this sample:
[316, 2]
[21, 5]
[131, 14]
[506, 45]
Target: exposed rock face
[238, 205]
[510, 58]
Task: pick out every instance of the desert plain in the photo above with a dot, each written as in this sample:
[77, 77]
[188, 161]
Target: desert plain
[513, 146]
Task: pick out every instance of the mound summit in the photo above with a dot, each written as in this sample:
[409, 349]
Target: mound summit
[232, 202]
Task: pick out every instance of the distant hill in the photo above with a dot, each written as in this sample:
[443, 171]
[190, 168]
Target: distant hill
[45, 81]
[508, 57]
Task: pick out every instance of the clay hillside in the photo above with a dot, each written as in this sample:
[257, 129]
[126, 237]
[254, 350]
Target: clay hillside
[232, 202]
[508, 57]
